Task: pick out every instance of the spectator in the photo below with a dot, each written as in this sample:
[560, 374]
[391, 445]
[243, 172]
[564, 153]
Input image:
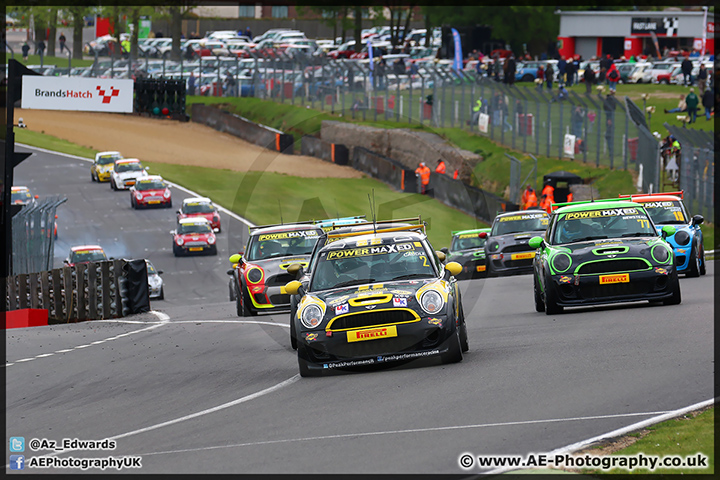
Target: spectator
[686, 68]
[609, 110]
[61, 41]
[578, 116]
[511, 66]
[570, 71]
[547, 196]
[528, 199]
[25, 50]
[561, 66]
[229, 84]
[613, 77]
[692, 102]
[380, 72]
[561, 95]
[40, 48]
[476, 111]
[708, 102]
[191, 84]
[248, 33]
[189, 52]
[423, 174]
[589, 78]
[549, 72]
[455, 174]
[440, 166]
[540, 77]
[682, 106]
[702, 78]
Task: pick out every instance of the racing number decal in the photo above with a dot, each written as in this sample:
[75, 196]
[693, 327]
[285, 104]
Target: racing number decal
[679, 216]
[643, 221]
[425, 264]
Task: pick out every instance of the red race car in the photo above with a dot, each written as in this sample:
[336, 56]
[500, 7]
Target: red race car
[193, 235]
[150, 191]
[200, 207]
[85, 254]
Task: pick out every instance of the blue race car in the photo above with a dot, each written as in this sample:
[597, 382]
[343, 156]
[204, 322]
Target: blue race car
[687, 242]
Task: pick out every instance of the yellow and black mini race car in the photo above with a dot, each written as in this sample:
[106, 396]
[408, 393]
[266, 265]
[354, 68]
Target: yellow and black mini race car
[378, 298]
[102, 167]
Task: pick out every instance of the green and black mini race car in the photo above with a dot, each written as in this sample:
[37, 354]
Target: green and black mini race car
[468, 249]
[378, 298]
[606, 251]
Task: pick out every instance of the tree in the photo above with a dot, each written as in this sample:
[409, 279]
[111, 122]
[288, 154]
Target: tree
[78, 22]
[396, 20]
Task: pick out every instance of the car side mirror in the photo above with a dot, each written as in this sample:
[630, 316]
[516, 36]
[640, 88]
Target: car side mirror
[441, 256]
[179, 212]
[452, 269]
[160, 272]
[482, 235]
[295, 269]
[37, 196]
[294, 288]
[173, 232]
[445, 250]
[536, 242]
[66, 262]
[146, 168]
[235, 258]
[230, 271]
[697, 219]
[668, 231]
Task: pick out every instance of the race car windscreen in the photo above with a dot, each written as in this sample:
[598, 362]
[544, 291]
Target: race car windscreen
[282, 244]
[81, 256]
[198, 207]
[150, 268]
[602, 224]
[150, 185]
[20, 197]
[527, 222]
[128, 167]
[193, 228]
[107, 159]
[360, 262]
[666, 212]
[467, 241]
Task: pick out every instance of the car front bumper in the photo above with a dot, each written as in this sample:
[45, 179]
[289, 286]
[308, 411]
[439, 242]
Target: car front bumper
[511, 263]
[576, 290]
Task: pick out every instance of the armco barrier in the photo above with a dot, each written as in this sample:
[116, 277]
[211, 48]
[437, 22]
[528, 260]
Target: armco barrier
[330, 152]
[465, 198]
[240, 127]
[384, 169]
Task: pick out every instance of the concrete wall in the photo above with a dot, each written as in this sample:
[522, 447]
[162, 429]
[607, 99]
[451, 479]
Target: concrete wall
[405, 146]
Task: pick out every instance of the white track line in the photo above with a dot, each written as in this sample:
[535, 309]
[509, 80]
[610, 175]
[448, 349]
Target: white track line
[573, 447]
[208, 411]
[175, 185]
[407, 431]
[255, 322]
[164, 320]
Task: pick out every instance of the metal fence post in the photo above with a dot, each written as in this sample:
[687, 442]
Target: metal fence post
[561, 135]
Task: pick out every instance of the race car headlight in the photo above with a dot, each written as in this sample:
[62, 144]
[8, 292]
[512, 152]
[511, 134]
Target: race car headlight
[211, 239]
[561, 262]
[138, 195]
[492, 246]
[431, 301]
[660, 253]
[167, 193]
[179, 241]
[682, 237]
[311, 316]
[254, 275]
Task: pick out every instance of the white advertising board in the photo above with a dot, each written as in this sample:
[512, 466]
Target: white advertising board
[77, 93]
[569, 146]
[483, 121]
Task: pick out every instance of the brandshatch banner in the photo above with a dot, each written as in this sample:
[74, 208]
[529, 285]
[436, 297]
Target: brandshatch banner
[77, 93]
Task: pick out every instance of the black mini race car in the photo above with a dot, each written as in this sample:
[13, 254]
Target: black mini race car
[376, 299]
[507, 250]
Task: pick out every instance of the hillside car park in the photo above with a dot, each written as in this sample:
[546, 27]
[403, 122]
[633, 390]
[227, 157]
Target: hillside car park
[417, 370]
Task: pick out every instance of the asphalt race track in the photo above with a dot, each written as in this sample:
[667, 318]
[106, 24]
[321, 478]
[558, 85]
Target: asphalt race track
[192, 388]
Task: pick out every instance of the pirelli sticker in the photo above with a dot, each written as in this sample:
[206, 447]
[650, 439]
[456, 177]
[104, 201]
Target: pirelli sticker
[522, 256]
[367, 251]
[372, 333]
[615, 212]
[527, 216]
[279, 236]
[616, 278]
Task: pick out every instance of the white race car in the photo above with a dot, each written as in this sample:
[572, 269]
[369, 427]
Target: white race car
[125, 172]
[155, 281]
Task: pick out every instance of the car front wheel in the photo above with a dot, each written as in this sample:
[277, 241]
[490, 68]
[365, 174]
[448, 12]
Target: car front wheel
[539, 303]
[676, 297]
[694, 263]
[551, 306]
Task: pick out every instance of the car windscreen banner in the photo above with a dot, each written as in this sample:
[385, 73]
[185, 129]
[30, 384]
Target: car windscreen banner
[77, 94]
[138, 291]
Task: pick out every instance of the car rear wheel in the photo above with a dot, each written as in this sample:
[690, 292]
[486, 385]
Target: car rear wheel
[162, 294]
[527, 78]
[676, 296]
[694, 263]
[464, 345]
[703, 270]
[539, 303]
[551, 306]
